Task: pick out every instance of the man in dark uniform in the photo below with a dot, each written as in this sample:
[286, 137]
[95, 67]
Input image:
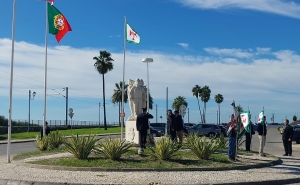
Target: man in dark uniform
[142, 126]
[178, 125]
[249, 136]
[287, 136]
[171, 125]
[47, 130]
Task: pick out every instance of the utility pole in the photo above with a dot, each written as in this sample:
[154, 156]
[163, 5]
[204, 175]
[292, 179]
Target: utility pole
[217, 117]
[67, 95]
[156, 112]
[188, 115]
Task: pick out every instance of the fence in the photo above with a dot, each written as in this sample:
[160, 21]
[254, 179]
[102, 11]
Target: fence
[35, 125]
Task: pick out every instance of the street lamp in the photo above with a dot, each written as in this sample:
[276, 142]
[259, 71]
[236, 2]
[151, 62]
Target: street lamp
[33, 95]
[147, 60]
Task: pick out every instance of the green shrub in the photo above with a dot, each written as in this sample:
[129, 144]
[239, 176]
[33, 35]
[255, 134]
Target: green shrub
[202, 147]
[165, 149]
[42, 144]
[113, 149]
[81, 146]
[55, 139]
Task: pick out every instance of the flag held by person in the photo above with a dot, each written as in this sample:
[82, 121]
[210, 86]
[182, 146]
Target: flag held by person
[131, 35]
[245, 119]
[261, 118]
[58, 24]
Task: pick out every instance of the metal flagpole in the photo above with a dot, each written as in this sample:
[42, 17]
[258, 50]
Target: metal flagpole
[45, 83]
[122, 109]
[11, 81]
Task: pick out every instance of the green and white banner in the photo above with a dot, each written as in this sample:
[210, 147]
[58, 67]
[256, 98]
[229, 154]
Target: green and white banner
[245, 120]
[261, 118]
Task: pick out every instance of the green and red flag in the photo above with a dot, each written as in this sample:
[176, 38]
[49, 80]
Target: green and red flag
[58, 24]
[261, 118]
[131, 35]
[245, 119]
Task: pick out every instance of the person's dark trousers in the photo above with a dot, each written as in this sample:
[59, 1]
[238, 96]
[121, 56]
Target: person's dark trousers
[173, 135]
[287, 147]
[143, 136]
[248, 142]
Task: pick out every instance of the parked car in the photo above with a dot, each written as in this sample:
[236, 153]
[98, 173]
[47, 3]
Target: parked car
[209, 130]
[159, 126]
[187, 125]
[296, 134]
[155, 132]
[223, 130]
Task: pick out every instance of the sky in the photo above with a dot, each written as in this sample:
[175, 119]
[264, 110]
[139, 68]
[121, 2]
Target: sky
[248, 51]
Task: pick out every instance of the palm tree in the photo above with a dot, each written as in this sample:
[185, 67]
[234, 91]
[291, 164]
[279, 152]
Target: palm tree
[205, 96]
[178, 101]
[196, 92]
[219, 99]
[103, 64]
[117, 97]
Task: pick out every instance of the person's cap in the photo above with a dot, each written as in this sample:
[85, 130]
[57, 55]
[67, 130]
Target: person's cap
[144, 109]
[176, 111]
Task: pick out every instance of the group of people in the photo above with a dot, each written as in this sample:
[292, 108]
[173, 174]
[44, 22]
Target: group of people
[175, 125]
[287, 135]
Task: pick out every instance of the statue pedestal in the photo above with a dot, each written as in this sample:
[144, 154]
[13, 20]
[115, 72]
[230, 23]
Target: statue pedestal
[132, 135]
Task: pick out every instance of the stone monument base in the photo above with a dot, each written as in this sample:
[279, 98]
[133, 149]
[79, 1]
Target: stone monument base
[132, 135]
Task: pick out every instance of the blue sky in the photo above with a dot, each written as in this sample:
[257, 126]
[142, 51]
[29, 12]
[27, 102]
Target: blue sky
[245, 50]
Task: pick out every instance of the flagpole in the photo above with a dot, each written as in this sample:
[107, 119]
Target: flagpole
[11, 81]
[45, 83]
[122, 109]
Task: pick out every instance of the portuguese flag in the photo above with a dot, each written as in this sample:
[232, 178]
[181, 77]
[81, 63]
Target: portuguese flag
[58, 24]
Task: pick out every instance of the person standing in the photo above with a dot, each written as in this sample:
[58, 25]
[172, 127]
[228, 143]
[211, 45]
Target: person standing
[171, 125]
[232, 133]
[178, 126]
[142, 125]
[262, 133]
[47, 130]
[249, 137]
[287, 136]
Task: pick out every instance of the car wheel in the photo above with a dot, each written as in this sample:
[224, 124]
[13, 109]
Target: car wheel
[211, 135]
[298, 140]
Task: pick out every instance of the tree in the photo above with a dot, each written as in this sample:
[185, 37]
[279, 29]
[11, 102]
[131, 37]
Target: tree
[205, 96]
[294, 118]
[117, 97]
[219, 99]
[178, 101]
[196, 92]
[103, 64]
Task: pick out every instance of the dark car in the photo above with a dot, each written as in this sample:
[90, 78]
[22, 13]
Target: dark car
[209, 130]
[189, 124]
[296, 134]
[159, 126]
[155, 132]
[223, 130]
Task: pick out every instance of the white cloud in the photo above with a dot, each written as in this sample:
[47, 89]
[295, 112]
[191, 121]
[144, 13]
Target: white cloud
[281, 7]
[184, 45]
[238, 53]
[257, 82]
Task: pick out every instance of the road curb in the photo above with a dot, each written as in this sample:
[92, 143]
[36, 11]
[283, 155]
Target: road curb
[273, 182]
[93, 169]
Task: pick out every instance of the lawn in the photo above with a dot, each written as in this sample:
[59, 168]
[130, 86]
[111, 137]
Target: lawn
[32, 135]
[184, 159]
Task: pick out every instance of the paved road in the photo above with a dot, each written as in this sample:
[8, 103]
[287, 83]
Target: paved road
[17, 148]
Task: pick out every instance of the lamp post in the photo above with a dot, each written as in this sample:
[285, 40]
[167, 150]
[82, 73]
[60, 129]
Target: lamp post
[33, 95]
[147, 60]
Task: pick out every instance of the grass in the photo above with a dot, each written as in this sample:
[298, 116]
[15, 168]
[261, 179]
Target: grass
[37, 153]
[32, 135]
[131, 159]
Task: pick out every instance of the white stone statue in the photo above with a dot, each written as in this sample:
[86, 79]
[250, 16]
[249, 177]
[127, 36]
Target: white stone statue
[182, 110]
[139, 96]
[130, 90]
